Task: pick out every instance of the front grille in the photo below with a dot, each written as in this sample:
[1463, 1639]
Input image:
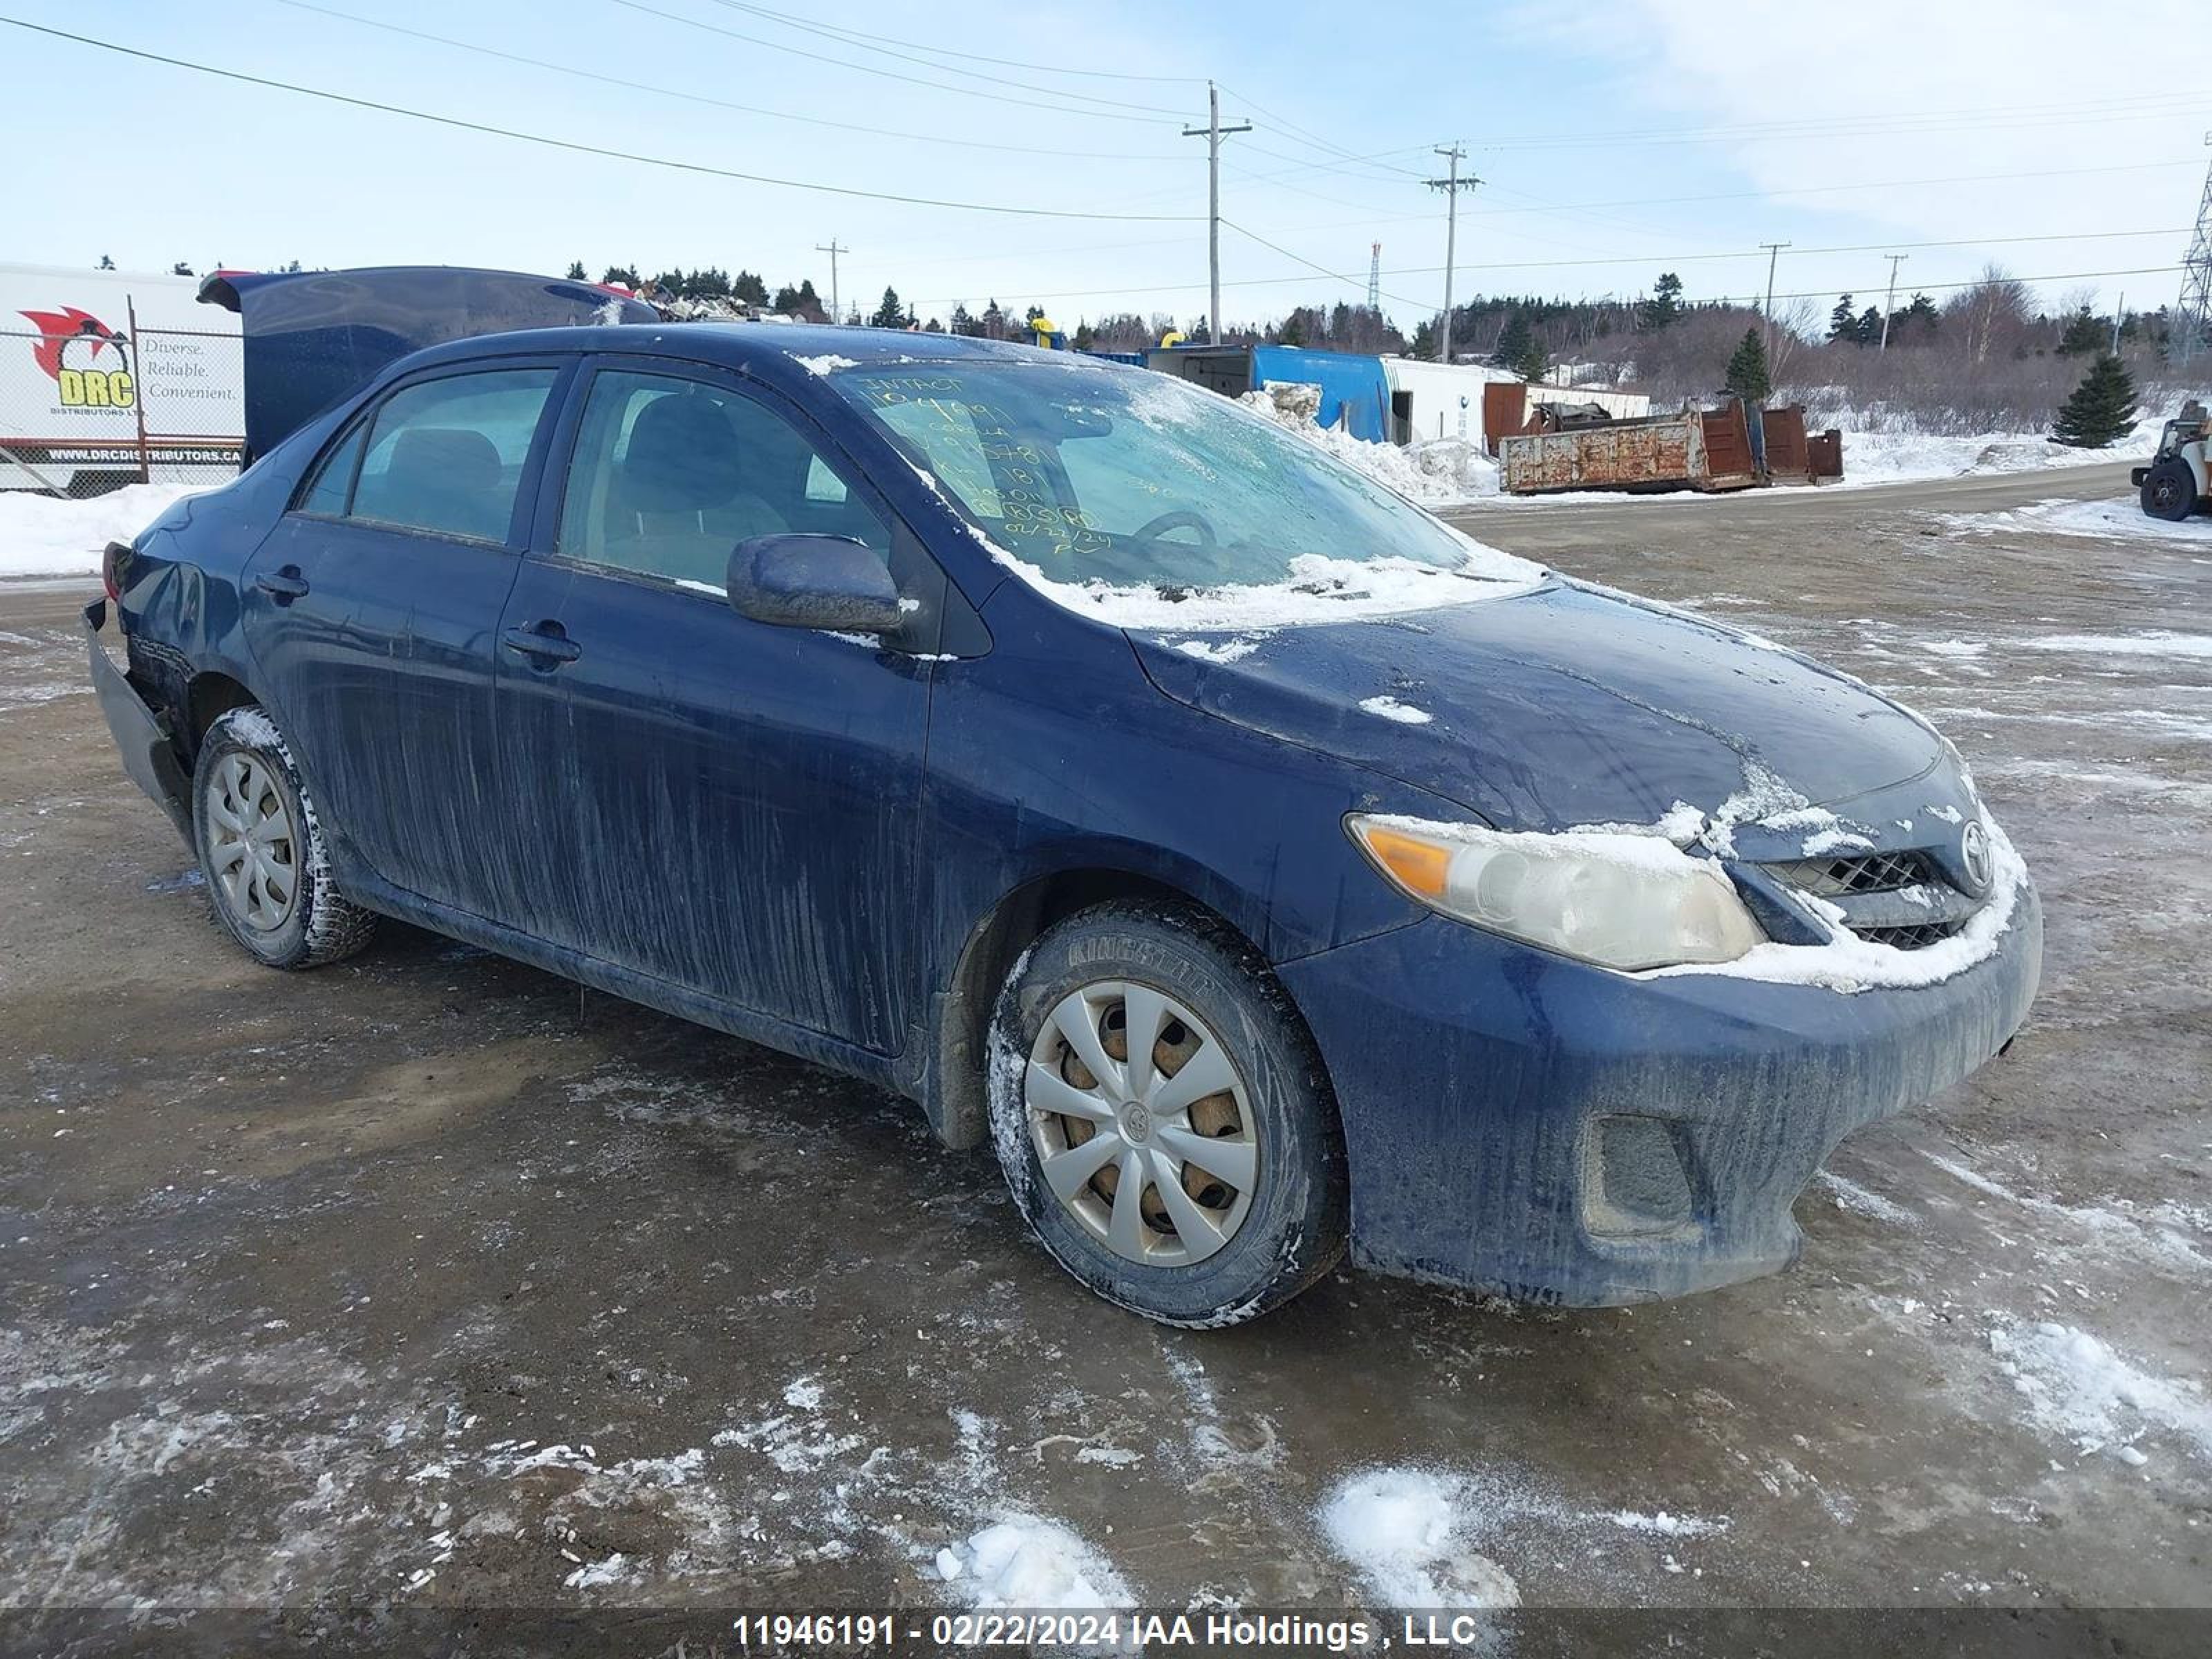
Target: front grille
[1903, 899]
[1915, 937]
[1867, 872]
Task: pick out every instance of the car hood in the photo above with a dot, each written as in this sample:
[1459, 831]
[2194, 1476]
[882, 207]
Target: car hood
[1560, 706]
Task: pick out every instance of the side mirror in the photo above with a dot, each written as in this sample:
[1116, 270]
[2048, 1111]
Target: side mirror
[831, 582]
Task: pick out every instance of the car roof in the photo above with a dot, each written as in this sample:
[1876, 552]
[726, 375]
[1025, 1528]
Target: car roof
[745, 346]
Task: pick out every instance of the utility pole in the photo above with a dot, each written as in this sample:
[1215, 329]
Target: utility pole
[2120, 314]
[830, 247]
[1890, 304]
[1213, 132]
[2196, 307]
[1773, 253]
[1451, 183]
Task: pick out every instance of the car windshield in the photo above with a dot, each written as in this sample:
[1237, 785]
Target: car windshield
[1090, 474]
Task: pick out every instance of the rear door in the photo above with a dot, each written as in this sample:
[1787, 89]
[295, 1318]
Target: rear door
[720, 803]
[372, 610]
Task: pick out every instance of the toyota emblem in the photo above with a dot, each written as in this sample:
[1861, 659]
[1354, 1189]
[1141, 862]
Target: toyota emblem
[1974, 854]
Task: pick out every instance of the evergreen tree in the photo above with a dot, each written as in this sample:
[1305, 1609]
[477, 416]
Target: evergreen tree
[180, 269]
[2084, 334]
[1664, 306]
[1294, 330]
[785, 302]
[890, 314]
[962, 322]
[749, 289]
[2102, 407]
[1085, 337]
[1513, 343]
[993, 323]
[672, 284]
[621, 276]
[1867, 330]
[1747, 377]
[933, 326]
[1843, 321]
[1534, 363]
[576, 271]
[807, 303]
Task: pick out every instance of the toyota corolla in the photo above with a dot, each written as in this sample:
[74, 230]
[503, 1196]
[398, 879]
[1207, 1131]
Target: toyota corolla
[1259, 867]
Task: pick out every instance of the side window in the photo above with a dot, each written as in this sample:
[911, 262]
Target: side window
[326, 493]
[669, 475]
[447, 455]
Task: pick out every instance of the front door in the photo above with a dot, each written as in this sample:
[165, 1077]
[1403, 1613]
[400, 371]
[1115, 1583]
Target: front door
[724, 804]
[372, 613]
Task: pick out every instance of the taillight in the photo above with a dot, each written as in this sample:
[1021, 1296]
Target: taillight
[113, 563]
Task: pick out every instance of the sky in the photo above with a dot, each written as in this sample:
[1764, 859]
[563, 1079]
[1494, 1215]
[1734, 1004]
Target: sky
[1613, 143]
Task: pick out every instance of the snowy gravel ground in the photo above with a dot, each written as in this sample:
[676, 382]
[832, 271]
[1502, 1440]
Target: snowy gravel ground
[427, 1280]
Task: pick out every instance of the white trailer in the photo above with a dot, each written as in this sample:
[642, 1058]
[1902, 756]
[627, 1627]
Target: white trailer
[108, 377]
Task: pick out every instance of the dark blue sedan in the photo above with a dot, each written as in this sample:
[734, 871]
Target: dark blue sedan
[1260, 865]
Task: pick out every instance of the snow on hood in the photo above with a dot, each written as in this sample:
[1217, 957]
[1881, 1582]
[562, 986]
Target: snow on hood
[1555, 706]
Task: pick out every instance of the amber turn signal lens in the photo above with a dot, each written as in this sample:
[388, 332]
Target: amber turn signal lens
[1420, 866]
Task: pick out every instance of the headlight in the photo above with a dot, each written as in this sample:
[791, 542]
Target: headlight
[1616, 898]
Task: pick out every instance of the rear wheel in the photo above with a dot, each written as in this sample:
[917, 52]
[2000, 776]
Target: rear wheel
[261, 850]
[1162, 1118]
[2169, 489]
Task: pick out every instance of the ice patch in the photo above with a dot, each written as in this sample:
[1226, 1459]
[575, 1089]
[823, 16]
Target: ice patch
[1850, 1195]
[1390, 709]
[2151, 643]
[1234, 650]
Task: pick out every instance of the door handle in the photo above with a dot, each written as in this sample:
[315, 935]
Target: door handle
[544, 643]
[283, 586]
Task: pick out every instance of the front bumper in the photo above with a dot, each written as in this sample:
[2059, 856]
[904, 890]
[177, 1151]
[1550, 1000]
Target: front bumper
[1519, 1122]
[148, 754]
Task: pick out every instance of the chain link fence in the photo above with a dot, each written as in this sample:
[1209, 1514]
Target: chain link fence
[83, 414]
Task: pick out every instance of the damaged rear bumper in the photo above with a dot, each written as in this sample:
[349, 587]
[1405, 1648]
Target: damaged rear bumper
[149, 754]
[1519, 1122]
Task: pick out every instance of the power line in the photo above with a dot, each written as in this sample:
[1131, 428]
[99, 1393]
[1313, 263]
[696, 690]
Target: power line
[854, 37]
[701, 98]
[892, 75]
[575, 147]
[858, 39]
[1360, 282]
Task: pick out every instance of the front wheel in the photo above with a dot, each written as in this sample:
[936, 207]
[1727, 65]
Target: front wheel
[261, 850]
[2169, 490]
[1162, 1119]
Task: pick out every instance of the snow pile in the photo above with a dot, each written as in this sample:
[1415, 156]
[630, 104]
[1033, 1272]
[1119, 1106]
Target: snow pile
[1022, 1561]
[44, 536]
[1390, 709]
[823, 364]
[2077, 1387]
[1434, 472]
[1404, 1530]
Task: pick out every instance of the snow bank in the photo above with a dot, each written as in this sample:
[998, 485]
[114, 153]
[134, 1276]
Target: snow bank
[2117, 519]
[2077, 1387]
[1436, 472]
[1026, 1562]
[1403, 1530]
[44, 535]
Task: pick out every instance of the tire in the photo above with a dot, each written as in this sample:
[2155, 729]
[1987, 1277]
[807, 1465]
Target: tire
[2169, 489]
[1258, 1214]
[275, 899]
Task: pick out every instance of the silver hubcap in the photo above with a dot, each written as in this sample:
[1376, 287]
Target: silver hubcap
[251, 842]
[1140, 1123]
